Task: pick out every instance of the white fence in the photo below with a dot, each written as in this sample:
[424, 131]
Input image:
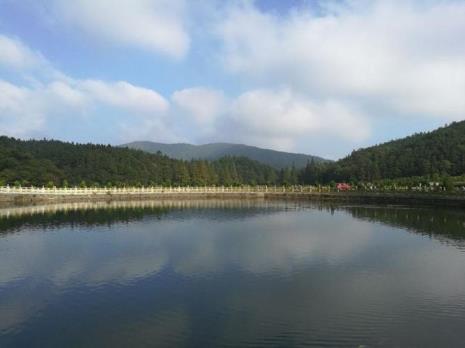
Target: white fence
[158, 190]
[80, 191]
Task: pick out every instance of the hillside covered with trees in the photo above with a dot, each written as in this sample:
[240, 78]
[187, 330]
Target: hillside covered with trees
[49, 162]
[276, 159]
[433, 154]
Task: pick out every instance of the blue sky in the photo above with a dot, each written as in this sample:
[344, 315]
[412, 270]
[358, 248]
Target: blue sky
[319, 77]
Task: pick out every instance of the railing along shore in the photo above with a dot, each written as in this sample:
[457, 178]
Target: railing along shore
[159, 190]
[79, 191]
[18, 194]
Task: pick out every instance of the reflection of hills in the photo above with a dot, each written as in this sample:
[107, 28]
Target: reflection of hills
[108, 213]
[447, 225]
[86, 214]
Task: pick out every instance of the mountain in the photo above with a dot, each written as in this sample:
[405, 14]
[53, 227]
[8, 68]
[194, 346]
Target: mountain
[50, 162]
[436, 153]
[276, 159]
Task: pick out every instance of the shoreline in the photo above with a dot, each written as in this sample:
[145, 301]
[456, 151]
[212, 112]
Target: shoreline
[443, 200]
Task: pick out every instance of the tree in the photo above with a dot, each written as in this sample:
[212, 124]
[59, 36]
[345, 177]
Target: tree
[448, 184]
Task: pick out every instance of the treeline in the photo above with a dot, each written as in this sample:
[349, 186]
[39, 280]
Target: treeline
[433, 155]
[56, 163]
[421, 157]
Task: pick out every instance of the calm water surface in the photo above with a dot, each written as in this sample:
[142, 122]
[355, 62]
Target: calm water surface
[213, 274]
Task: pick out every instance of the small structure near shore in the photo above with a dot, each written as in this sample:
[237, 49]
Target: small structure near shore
[342, 186]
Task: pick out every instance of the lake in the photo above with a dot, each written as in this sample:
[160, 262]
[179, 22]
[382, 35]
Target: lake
[231, 273]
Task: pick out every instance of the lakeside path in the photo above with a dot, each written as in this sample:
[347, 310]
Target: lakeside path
[27, 195]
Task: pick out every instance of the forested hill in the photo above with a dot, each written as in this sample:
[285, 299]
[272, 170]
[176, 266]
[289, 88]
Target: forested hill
[48, 162]
[276, 159]
[440, 152]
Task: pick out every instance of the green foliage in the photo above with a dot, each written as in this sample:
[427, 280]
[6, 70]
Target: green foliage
[448, 183]
[418, 159]
[435, 154]
[55, 163]
[212, 152]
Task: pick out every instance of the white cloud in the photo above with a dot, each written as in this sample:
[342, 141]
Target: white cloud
[340, 70]
[125, 95]
[274, 113]
[203, 104]
[67, 94]
[154, 25]
[279, 118]
[154, 128]
[47, 98]
[19, 113]
[14, 54]
[399, 56]
[26, 110]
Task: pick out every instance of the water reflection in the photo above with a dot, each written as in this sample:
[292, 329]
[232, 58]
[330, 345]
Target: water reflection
[194, 237]
[209, 273]
[12, 218]
[447, 225]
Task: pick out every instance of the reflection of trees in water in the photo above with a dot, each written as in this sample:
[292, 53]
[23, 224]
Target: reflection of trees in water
[444, 224]
[107, 213]
[50, 218]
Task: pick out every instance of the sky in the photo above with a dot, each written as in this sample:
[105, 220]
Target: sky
[309, 76]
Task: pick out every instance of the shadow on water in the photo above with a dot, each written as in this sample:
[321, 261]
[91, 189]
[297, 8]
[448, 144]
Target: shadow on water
[50, 216]
[446, 225]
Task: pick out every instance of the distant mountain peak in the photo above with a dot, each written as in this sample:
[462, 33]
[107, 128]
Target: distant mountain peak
[213, 151]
